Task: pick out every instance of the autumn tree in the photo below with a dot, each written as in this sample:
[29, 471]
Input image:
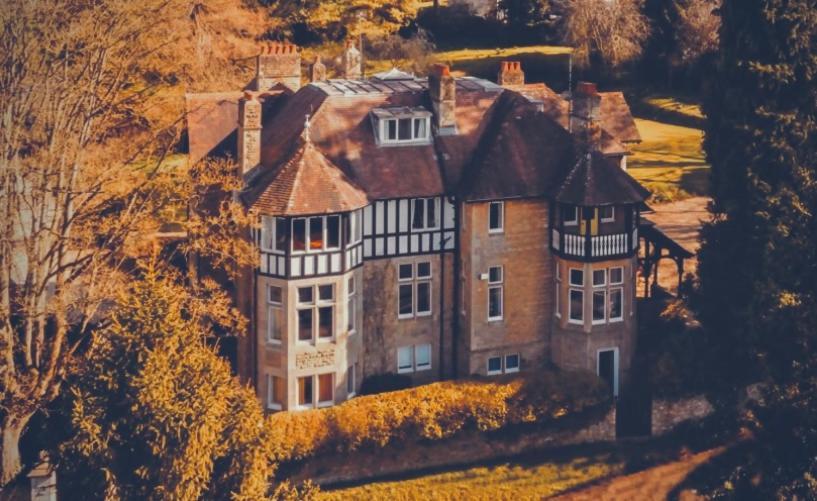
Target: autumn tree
[697, 27]
[90, 109]
[610, 31]
[758, 261]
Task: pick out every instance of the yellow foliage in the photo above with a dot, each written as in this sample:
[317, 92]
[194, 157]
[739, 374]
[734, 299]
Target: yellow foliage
[432, 412]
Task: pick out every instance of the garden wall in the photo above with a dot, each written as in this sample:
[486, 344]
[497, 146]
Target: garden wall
[669, 413]
[465, 448]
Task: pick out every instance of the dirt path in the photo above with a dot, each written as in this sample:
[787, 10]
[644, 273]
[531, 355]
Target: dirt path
[682, 222]
[653, 484]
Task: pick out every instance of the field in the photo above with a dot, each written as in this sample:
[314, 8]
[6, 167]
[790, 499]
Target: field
[536, 479]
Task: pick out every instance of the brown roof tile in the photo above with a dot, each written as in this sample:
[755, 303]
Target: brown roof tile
[307, 183]
[597, 180]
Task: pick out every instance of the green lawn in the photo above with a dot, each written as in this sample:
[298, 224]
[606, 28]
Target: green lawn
[669, 161]
[519, 480]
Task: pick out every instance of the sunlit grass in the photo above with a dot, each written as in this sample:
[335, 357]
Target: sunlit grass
[672, 104]
[669, 161]
[502, 481]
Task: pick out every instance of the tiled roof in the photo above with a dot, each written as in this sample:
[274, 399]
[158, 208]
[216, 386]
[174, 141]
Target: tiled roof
[599, 180]
[307, 183]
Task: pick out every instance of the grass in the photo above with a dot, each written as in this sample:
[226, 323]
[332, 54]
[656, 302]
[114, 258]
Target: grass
[520, 480]
[669, 161]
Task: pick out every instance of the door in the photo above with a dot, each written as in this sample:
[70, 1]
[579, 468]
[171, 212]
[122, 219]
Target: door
[607, 368]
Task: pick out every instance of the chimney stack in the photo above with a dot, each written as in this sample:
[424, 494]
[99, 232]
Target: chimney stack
[278, 62]
[510, 73]
[585, 114]
[249, 132]
[442, 89]
[351, 62]
[317, 70]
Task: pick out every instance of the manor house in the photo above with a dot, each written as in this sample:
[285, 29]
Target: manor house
[435, 226]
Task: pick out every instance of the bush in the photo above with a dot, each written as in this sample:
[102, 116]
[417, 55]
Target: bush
[432, 412]
[381, 383]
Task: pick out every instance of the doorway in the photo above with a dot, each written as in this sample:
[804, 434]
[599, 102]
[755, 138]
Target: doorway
[607, 367]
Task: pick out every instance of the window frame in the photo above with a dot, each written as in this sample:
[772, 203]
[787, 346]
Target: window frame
[351, 305]
[413, 123]
[518, 363]
[435, 201]
[409, 368]
[609, 310]
[351, 380]
[316, 387]
[610, 275]
[424, 367]
[488, 366]
[603, 319]
[324, 234]
[315, 306]
[500, 286]
[612, 217]
[414, 283]
[557, 303]
[311, 404]
[570, 319]
[270, 397]
[501, 208]
[575, 220]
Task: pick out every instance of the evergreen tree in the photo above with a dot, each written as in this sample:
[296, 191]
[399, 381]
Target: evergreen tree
[157, 413]
[758, 262]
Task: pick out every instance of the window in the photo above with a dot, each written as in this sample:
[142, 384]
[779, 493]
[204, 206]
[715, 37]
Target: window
[402, 125]
[607, 214]
[275, 392]
[354, 227]
[316, 233]
[576, 305]
[413, 358]
[558, 299]
[616, 304]
[309, 309]
[599, 302]
[512, 363]
[273, 234]
[495, 292]
[496, 217]
[576, 277]
[422, 357]
[405, 359]
[305, 392]
[351, 380]
[425, 213]
[326, 389]
[494, 366]
[351, 305]
[414, 289]
[616, 275]
[274, 314]
[570, 215]
[599, 278]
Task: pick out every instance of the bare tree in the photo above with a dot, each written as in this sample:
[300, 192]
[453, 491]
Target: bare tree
[697, 31]
[613, 30]
[88, 115]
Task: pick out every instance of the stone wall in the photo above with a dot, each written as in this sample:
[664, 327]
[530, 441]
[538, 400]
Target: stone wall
[668, 414]
[468, 447]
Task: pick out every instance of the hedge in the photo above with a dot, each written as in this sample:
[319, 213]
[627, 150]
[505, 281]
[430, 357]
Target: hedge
[433, 412]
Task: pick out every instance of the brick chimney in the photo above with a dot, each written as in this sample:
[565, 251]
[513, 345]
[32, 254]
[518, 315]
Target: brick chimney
[443, 92]
[585, 113]
[351, 62]
[317, 70]
[278, 62]
[249, 132]
[510, 73]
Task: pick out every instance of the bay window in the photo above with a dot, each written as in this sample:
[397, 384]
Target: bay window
[309, 308]
[316, 233]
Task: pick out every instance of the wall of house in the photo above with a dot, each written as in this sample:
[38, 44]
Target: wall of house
[523, 251]
[384, 331]
[291, 358]
[575, 346]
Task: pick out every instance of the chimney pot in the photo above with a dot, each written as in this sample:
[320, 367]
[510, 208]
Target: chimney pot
[586, 89]
[278, 63]
[510, 73]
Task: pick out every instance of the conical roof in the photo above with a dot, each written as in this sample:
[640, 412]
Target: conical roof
[307, 183]
[595, 180]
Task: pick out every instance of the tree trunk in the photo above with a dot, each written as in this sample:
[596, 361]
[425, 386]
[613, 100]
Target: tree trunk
[13, 427]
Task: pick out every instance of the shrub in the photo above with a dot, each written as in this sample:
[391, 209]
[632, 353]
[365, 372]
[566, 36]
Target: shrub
[433, 412]
[380, 383]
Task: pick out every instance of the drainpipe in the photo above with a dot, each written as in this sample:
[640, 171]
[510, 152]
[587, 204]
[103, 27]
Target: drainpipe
[455, 320]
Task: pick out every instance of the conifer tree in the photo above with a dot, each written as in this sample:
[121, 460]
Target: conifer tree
[157, 413]
[758, 262]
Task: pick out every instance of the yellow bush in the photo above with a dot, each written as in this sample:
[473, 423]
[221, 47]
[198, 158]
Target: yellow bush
[432, 412]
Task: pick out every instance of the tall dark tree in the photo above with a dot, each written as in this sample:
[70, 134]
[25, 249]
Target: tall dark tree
[758, 262]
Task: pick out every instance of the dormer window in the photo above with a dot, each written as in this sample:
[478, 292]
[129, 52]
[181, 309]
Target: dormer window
[404, 125]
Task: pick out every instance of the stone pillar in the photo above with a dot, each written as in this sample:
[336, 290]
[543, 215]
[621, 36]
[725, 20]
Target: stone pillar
[278, 63]
[317, 70]
[351, 62]
[249, 132]
[510, 73]
[442, 89]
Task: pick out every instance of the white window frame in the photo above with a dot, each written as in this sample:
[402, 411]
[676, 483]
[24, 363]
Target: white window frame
[575, 220]
[316, 304]
[414, 282]
[575, 287]
[518, 363]
[558, 301]
[405, 369]
[424, 367]
[355, 219]
[384, 130]
[496, 285]
[351, 380]
[273, 306]
[307, 239]
[610, 275]
[316, 388]
[351, 305]
[615, 366]
[605, 305]
[488, 366]
[271, 405]
[609, 308]
[610, 219]
[437, 216]
[501, 207]
[298, 392]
